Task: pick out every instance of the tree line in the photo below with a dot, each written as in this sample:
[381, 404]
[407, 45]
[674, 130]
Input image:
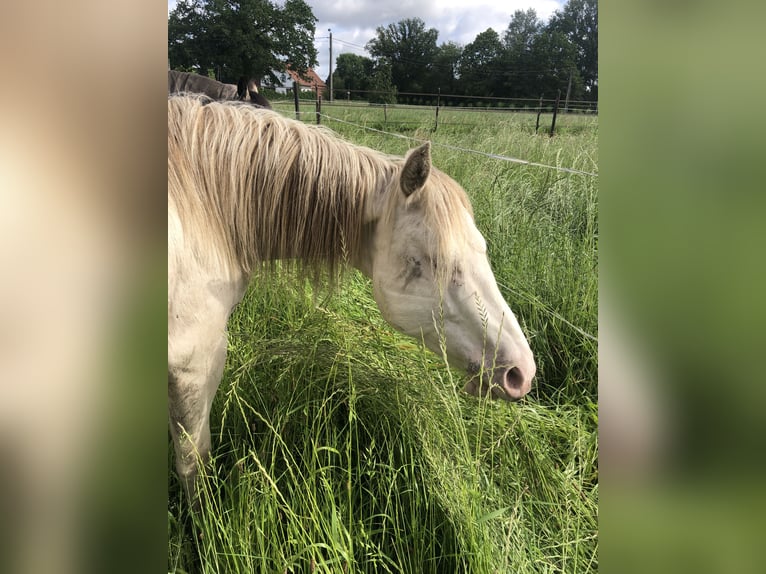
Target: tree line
[530, 58]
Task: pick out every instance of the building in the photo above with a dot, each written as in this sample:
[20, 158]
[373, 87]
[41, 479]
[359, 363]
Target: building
[285, 81]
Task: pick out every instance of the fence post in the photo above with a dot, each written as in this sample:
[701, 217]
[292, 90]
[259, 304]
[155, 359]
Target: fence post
[297, 105]
[555, 111]
[539, 111]
[385, 113]
[319, 106]
[438, 102]
[569, 90]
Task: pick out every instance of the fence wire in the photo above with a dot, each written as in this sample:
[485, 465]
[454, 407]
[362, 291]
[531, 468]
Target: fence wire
[465, 150]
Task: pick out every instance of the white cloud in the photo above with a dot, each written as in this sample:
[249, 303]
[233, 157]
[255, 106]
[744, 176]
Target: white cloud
[460, 18]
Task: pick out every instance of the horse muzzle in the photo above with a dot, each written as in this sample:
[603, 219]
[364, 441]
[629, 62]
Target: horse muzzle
[508, 383]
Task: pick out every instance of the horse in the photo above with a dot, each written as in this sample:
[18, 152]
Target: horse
[183, 82]
[248, 187]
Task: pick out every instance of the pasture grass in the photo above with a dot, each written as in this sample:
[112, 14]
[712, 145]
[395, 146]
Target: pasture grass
[341, 446]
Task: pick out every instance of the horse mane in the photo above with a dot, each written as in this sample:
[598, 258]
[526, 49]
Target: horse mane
[262, 187]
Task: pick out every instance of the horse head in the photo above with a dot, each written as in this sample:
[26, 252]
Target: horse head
[432, 279]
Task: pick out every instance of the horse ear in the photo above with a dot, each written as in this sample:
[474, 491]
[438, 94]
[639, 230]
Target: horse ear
[417, 167]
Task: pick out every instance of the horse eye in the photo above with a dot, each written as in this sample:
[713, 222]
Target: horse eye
[457, 277]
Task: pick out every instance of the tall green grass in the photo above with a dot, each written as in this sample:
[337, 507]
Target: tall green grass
[341, 446]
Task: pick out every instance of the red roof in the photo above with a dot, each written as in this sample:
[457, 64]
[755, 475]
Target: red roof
[313, 79]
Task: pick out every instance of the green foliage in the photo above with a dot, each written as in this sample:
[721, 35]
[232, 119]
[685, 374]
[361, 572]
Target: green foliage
[523, 28]
[554, 52]
[241, 38]
[340, 445]
[578, 21]
[445, 68]
[353, 73]
[481, 57]
[382, 89]
[409, 49]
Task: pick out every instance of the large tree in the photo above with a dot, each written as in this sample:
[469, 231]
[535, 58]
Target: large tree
[235, 38]
[521, 72]
[578, 21]
[409, 49]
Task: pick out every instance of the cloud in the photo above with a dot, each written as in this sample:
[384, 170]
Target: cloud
[465, 19]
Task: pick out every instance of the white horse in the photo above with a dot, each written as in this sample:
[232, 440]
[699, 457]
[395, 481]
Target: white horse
[247, 187]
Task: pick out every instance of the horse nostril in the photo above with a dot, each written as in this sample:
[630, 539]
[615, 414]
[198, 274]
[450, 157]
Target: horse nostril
[513, 378]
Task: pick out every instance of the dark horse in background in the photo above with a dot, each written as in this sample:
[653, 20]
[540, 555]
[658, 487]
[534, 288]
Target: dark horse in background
[244, 91]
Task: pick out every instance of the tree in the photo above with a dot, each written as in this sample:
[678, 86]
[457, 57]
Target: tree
[479, 64]
[444, 71]
[521, 69]
[409, 50]
[555, 58]
[235, 38]
[352, 73]
[185, 23]
[578, 21]
[382, 88]
[522, 30]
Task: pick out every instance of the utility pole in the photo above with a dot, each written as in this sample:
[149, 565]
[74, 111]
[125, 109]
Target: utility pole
[330, 31]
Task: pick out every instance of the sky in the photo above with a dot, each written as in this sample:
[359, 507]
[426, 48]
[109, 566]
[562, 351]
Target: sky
[353, 22]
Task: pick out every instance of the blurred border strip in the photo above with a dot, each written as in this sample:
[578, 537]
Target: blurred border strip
[682, 236]
[83, 423]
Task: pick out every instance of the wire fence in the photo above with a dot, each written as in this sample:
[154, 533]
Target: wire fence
[319, 115]
[402, 116]
[449, 101]
[464, 150]
[454, 115]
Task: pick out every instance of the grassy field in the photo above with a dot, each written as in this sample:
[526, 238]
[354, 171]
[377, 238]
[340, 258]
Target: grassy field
[341, 446]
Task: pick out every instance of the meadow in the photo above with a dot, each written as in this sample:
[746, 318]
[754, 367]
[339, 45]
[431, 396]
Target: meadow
[341, 446]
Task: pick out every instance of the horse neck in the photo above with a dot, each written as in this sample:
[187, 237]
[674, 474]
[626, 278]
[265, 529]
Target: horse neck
[313, 208]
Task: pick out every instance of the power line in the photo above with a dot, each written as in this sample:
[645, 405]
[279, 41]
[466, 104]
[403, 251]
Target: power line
[352, 44]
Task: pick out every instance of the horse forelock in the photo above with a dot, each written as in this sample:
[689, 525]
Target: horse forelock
[449, 213]
[447, 216]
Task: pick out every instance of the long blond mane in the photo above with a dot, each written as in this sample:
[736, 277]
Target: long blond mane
[257, 187]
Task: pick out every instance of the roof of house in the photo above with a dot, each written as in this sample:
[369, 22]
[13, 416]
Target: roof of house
[313, 79]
